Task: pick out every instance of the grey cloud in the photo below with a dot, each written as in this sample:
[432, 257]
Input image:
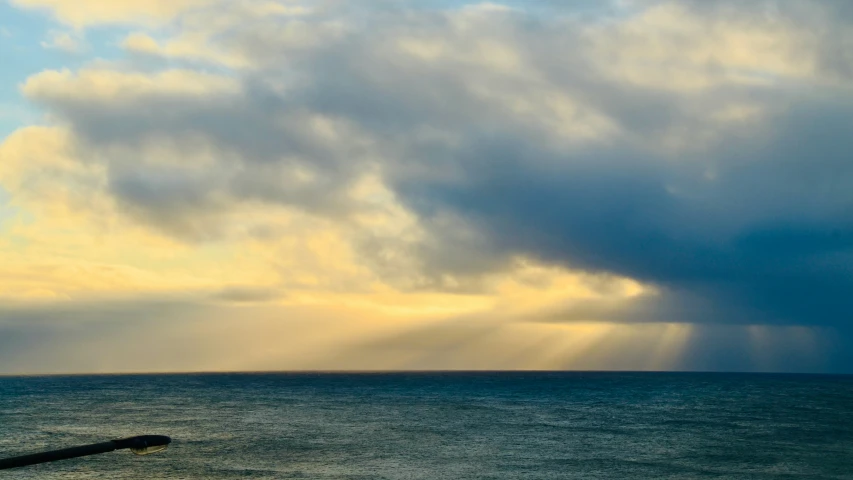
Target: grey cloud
[259, 143]
[179, 202]
[247, 294]
[766, 238]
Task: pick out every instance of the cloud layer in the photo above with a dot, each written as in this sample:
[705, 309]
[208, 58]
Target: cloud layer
[699, 149]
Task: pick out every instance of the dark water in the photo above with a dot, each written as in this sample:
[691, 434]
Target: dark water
[438, 426]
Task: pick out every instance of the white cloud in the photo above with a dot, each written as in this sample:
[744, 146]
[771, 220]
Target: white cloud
[69, 42]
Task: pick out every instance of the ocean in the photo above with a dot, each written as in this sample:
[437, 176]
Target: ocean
[438, 425]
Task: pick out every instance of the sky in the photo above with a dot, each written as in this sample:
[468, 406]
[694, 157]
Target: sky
[223, 185]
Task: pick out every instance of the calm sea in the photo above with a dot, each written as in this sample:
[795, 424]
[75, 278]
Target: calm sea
[438, 425]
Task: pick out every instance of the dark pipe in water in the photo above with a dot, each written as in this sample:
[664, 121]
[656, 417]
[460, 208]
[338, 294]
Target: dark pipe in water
[141, 445]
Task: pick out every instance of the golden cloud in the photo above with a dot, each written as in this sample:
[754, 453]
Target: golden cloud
[83, 13]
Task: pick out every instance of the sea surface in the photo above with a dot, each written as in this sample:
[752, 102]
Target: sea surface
[438, 425]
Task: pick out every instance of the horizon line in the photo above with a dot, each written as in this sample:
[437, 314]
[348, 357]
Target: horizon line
[403, 372]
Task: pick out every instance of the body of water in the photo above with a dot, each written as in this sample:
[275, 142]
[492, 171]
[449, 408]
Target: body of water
[438, 425]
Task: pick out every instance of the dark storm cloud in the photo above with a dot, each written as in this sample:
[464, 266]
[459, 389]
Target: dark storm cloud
[772, 232]
[746, 222]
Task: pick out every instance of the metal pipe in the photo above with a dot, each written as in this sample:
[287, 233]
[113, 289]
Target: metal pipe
[141, 445]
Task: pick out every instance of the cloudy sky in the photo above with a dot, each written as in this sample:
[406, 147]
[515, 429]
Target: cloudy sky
[392, 184]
